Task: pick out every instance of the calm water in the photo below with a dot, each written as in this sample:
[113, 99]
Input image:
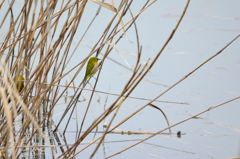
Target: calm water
[207, 27]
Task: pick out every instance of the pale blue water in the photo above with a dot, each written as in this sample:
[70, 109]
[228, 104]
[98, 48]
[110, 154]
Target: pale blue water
[206, 28]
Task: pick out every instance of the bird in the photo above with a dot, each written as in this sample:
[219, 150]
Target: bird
[20, 83]
[91, 69]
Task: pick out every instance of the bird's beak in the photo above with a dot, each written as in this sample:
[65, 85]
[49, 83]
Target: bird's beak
[98, 59]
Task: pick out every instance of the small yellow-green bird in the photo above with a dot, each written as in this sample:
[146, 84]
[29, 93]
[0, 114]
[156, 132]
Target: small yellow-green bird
[92, 68]
[20, 83]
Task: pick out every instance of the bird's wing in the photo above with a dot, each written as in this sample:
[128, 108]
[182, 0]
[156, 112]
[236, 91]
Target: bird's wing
[89, 69]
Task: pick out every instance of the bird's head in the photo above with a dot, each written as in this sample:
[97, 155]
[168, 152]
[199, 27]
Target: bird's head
[94, 59]
[21, 78]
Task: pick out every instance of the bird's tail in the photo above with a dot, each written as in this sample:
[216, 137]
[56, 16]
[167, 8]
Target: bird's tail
[84, 81]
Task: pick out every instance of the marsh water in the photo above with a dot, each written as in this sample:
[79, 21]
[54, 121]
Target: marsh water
[207, 27]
